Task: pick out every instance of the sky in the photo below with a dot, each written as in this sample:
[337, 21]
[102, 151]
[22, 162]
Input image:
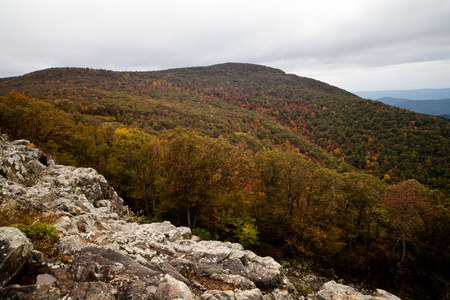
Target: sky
[357, 45]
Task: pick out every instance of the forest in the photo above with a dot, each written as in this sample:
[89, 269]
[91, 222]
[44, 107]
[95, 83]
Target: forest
[287, 166]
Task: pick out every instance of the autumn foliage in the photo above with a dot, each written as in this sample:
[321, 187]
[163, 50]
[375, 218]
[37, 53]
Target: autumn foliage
[287, 166]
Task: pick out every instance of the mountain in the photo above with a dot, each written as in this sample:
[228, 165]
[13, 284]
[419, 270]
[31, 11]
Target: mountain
[256, 106]
[287, 166]
[418, 94]
[432, 107]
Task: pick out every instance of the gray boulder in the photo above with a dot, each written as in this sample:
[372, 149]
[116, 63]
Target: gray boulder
[332, 290]
[173, 289]
[15, 250]
[124, 274]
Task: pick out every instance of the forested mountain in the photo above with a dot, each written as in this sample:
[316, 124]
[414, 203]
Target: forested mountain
[290, 166]
[257, 106]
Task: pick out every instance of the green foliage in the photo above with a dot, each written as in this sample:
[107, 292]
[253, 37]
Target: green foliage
[35, 226]
[39, 230]
[244, 231]
[139, 217]
[241, 230]
[64, 260]
[205, 234]
[43, 236]
[304, 291]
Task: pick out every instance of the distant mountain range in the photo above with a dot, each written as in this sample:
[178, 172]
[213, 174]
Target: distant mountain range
[427, 101]
[420, 94]
[430, 107]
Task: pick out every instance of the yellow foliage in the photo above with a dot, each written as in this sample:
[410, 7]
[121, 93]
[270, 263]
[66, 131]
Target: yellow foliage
[122, 134]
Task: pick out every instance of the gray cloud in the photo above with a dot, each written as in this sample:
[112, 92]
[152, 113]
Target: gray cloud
[357, 45]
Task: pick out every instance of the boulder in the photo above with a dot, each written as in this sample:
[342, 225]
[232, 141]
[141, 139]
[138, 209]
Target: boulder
[264, 271]
[93, 290]
[173, 289]
[218, 295]
[20, 163]
[15, 250]
[35, 292]
[332, 290]
[253, 294]
[124, 274]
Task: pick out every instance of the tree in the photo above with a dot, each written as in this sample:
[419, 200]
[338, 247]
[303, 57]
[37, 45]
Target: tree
[409, 208]
[142, 155]
[33, 119]
[199, 169]
[360, 197]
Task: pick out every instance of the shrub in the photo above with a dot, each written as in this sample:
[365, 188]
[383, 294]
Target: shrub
[139, 217]
[43, 236]
[244, 231]
[205, 234]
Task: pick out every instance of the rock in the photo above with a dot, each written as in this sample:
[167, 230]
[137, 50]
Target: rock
[21, 142]
[20, 163]
[265, 272]
[36, 258]
[45, 279]
[173, 289]
[382, 294]
[332, 290]
[35, 292]
[70, 245]
[278, 294]
[218, 295]
[123, 273]
[93, 290]
[183, 266]
[254, 294]
[15, 250]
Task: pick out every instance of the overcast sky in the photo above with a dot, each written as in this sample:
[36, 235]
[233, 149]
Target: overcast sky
[353, 44]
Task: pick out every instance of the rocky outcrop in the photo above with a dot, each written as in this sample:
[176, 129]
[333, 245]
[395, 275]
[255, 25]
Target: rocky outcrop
[107, 256]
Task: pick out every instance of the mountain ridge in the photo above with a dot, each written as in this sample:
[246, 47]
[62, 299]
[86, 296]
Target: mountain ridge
[329, 118]
[438, 107]
[415, 94]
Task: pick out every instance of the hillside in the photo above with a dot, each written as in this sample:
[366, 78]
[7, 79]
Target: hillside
[144, 100]
[287, 166]
[431, 107]
[256, 106]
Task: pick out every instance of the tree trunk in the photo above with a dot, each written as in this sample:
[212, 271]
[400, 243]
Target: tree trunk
[404, 247]
[367, 242]
[188, 215]
[195, 220]
[144, 189]
[153, 198]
